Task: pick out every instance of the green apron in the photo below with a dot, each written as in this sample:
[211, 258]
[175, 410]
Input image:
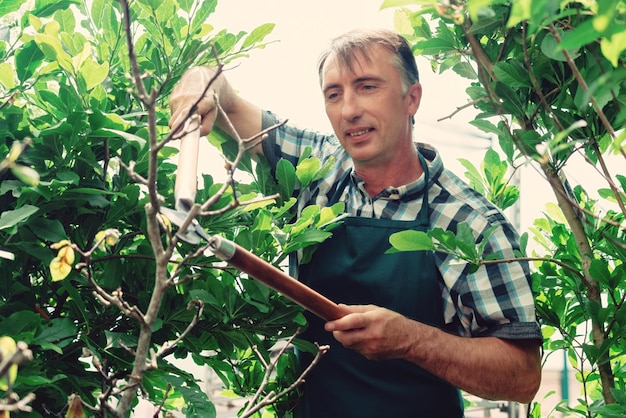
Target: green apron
[351, 268]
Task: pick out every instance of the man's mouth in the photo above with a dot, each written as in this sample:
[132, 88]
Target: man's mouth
[360, 132]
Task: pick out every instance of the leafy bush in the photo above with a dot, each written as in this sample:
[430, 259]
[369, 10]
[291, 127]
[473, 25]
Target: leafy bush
[549, 80]
[93, 280]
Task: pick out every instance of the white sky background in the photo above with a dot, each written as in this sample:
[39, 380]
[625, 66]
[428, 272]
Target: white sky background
[283, 78]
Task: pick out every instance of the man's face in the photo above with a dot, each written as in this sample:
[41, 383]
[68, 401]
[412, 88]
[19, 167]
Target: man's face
[367, 108]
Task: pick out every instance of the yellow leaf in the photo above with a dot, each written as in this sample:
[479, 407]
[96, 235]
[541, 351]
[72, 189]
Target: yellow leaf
[100, 239]
[75, 409]
[108, 237]
[59, 269]
[166, 222]
[66, 254]
[113, 235]
[26, 175]
[16, 151]
[60, 244]
[7, 349]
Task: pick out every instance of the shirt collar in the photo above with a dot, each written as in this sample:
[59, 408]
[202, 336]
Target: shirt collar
[408, 191]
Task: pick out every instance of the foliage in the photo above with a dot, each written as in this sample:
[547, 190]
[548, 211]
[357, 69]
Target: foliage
[88, 159]
[549, 80]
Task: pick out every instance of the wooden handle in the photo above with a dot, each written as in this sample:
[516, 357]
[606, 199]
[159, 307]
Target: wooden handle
[276, 279]
[187, 171]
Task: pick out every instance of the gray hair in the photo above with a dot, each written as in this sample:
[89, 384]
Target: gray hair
[344, 47]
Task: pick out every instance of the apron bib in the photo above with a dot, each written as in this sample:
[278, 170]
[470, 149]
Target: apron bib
[351, 268]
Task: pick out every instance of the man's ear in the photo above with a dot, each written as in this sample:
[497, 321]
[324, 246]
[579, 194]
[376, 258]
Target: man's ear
[414, 97]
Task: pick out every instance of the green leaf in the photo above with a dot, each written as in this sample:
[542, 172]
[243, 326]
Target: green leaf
[486, 126]
[397, 3]
[54, 52]
[613, 46]
[286, 178]
[581, 35]
[329, 215]
[203, 12]
[411, 241]
[11, 218]
[66, 20]
[50, 230]
[93, 73]
[7, 76]
[308, 237]
[433, 46]
[27, 60]
[197, 403]
[34, 381]
[45, 8]
[512, 74]
[444, 238]
[306, 170]
[9, 6]
[465, 70]
[325, 169]
[136, 141]
[465, 240]
[258, 34]
[550, 47]
[599, 270]
[21, 325]
[473, 175]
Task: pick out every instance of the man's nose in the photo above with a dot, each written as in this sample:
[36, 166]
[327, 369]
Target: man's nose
[351, 108]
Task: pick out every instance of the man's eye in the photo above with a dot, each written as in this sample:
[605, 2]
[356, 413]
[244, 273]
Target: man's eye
[332, 96]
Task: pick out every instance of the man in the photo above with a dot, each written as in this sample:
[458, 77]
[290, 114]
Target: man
[405, 346]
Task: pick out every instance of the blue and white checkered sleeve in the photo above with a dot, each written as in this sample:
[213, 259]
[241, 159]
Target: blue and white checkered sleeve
[497, 299]
[288, 141]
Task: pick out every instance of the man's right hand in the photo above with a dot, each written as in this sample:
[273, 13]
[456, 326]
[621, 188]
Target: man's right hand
[187, 92]
[243, 116]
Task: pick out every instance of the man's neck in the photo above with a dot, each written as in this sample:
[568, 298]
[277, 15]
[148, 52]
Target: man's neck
[398, 173]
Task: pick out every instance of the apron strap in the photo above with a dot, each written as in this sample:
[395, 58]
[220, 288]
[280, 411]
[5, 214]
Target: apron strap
[424, 211]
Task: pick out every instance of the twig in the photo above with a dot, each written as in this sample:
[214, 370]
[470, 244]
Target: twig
[570, 62]
[174, 133]
[463, 107]
[9, 99]
[22, 354]
[176, 273]
[168, 347]
[165, 395]
[574, 270]
[255, 405]
[130, 170]
[115, 298]
[14, 403]
[236, 203]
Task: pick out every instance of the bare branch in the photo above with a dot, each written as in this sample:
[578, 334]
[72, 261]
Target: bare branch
[460, 108]
[272, 397]
[236, 203]
[14, 403]
[168, 347]
[255, 405]
[130, 170]
[165, 395]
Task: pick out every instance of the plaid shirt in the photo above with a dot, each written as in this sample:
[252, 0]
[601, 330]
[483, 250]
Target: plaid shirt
[497, 299]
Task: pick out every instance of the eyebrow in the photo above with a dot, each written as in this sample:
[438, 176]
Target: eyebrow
[356, 81]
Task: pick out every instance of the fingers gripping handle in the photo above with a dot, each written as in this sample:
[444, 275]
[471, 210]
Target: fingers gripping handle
[187, 172]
